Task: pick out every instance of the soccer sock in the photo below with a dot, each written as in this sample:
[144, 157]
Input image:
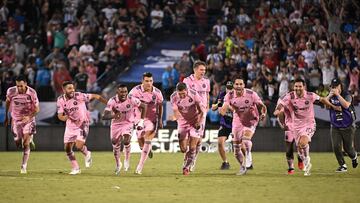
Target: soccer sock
[186, 155]
[290, 162]
[26, 155]
[238, 153]
[144, 155]
[248, 145]
[190, 158]
[116, 150]
[198, 147]
[74, 163]
[127, 151]
[84, 150]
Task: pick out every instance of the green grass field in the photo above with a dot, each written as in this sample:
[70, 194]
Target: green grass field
[162, 180]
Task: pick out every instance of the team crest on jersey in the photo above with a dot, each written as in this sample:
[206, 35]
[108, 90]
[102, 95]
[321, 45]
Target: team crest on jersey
[153, 97]
[28, 98]
[190, 100]
[128, 106]
[75, 103]
[204, 86]
[307, 102]
[246, 101]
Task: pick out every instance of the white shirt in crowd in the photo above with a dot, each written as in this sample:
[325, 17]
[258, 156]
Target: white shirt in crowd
[221, 31]
[243, 18]
[309, 56]
[86, 49]
[109, 12]
[328, 73]
[155, 22]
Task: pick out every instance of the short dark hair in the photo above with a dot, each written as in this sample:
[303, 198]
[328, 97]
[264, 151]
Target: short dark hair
[121, 86]
[299, 80]
[198, 63]
[147, 74]
[21, 78]
[181, 86]
[66, 83]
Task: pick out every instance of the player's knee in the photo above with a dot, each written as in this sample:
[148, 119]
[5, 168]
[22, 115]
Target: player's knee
[289, 155]
[79, 146]
[183, 149]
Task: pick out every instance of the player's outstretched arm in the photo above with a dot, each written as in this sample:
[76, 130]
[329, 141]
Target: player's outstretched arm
[224, 109]
[325, 101]
[99, 98]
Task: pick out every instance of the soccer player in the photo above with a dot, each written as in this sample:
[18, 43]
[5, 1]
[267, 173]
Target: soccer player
[120, 109]
[245, 103]
[286, 123]
[71, 108]
[189, 113]
[23, 103]
[201, 85]
[153, 98]
[225, 125]
[301, 104]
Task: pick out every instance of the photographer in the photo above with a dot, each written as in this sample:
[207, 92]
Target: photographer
[225, 125]
[342, 125]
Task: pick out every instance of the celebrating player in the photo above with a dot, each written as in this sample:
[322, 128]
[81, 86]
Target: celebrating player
[201, 85]
[301, 104]
[23, 103]
[245, 103]
[72, 110]
[189, 113]
[120, 109]
[152, 97]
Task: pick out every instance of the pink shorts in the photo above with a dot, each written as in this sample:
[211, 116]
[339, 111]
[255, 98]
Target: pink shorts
[289, 136]
[238, 132]
[118, 130]
[187, 130]
[73, 134]
[148, 126]
[307, 131]
[20, 129]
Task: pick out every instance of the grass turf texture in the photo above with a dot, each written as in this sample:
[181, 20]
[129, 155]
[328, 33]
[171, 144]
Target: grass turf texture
[162, 180]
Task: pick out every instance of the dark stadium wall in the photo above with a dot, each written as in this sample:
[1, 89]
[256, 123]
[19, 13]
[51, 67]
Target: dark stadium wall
[50, 138]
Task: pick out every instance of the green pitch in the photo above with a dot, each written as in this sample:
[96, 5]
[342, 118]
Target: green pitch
[162, 180]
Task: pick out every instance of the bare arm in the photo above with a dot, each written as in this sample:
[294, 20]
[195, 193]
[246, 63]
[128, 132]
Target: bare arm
[62, 117]
[160, 114]
[326, 102]
[98, 97]
[224, 109]
[263, 110]
[108, 115]
[278, 109]
[143, 109]
[7, 106]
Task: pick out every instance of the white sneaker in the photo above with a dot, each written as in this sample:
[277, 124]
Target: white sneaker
[138, 172]
[75, 171]
[126, 165]
[242, 171]
[307, 167]
[88, 160]
[248, 162]
[118, 169]
[23, 170]
[192, 167]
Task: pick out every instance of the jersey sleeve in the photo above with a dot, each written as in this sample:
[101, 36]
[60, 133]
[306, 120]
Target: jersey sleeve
[159, 97]
[314, 97]
[135, 102]
[109, 105]
[256, 98]
[35, 99]
[59, 106]
[285, 101]
[227, 98]
[173, 101]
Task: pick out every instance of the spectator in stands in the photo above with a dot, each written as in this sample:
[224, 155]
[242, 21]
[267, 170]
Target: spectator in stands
[157, 16]
[167, 83]
[61, 74]
[91, 71]
[81, 80]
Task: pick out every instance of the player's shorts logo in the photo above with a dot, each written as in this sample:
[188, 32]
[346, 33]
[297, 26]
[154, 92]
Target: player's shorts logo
[128, 106]
[153, 97]
[75, 103]
[204, 86]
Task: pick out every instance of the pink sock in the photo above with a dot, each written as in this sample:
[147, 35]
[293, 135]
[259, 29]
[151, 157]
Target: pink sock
[26, 155]
[127, 151]
[238, 153]
[74, 163]
[144, 155]
[116, 150]
[84, 150]
[190, 158]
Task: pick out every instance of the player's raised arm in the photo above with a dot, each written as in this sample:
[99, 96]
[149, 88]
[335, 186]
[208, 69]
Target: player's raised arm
[98, 97]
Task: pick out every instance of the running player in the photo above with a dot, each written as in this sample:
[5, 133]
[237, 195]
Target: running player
[301, 105]
[225, 125]
[245, 103]
[152, 97]
[72, 109]
[201, 85]
[23, 103]
[189, 112]
[120, 109]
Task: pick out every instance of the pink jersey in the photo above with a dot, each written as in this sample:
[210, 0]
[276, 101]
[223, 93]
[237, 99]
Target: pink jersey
[288, 116]
[202, 87]
[151, 99]
[22, 104]
[301, 107]
[126, 108]
[245, 108]
[74, 108]
[186, 107]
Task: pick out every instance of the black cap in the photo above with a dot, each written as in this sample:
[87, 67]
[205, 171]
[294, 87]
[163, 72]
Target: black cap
[229, 85]
[335, 82]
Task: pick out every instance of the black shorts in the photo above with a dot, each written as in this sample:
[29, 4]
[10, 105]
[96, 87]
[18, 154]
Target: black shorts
[224, 132]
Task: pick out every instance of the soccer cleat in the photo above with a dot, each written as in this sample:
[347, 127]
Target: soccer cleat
[250, 167]
[126, 165]
[75, 171]
[138, 172]
[300, 164]
[192, 166]
[150, 155]
[354, 162]
[248, 162]
[186, 171]
[32, 145]
[291, 171]
[341, 169]
[225, 166]
[118, 169]
[307, 167]
[23, 170]
[88, 160]
[242, 171]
